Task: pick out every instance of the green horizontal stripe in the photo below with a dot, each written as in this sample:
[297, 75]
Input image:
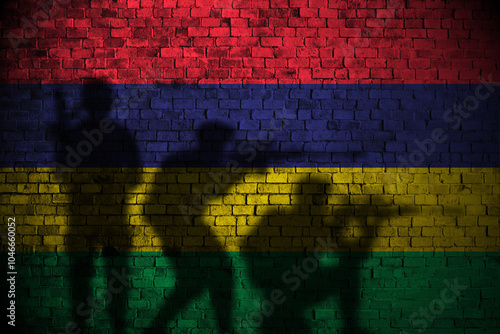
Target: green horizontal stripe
[196, 290]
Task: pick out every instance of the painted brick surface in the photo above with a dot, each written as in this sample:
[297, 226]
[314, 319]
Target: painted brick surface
[254, 125]
[328, 99]
[208, 41]
[390, 288]
[255, 209]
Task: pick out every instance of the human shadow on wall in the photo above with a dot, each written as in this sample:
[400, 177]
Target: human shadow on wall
[344, 233]
[88, 136]
[188, 229]
[212, 146]
[98, 228]
[314, 211]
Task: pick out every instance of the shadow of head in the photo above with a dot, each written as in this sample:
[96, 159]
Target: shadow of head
[96, 99]
[215, 136]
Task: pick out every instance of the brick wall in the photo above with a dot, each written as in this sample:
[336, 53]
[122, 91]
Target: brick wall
[337, 105]
[204, 243]
[251, 41]
[259, 209]
[391, 288]
[272, 126]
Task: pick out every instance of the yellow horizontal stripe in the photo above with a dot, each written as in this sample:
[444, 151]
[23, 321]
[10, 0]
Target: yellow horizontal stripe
[259, 209]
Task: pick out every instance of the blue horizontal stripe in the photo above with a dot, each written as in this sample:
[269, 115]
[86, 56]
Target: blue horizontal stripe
[254, 125]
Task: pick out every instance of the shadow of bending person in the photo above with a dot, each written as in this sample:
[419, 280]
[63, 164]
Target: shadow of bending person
[93, 153]
[330, 237]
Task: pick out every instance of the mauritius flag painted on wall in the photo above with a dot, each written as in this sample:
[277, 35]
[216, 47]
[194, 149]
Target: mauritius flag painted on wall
[260, 166]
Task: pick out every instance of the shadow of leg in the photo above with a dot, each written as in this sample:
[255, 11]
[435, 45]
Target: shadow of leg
[221, 295]
[350, 297]
[84, 302]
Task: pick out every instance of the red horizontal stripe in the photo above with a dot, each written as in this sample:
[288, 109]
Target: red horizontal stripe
[240, 41]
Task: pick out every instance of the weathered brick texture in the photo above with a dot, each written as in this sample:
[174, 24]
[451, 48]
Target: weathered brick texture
[284, 126]
[333, 99]
[255, 209]
[391, 286]
[251, 41]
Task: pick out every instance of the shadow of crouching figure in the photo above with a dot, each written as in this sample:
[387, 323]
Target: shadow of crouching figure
[330, 238]
[194, 245]
[89, 136]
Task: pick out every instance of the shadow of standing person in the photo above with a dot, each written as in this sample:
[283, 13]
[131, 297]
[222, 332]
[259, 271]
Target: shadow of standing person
[88, 136]
[188, 230]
